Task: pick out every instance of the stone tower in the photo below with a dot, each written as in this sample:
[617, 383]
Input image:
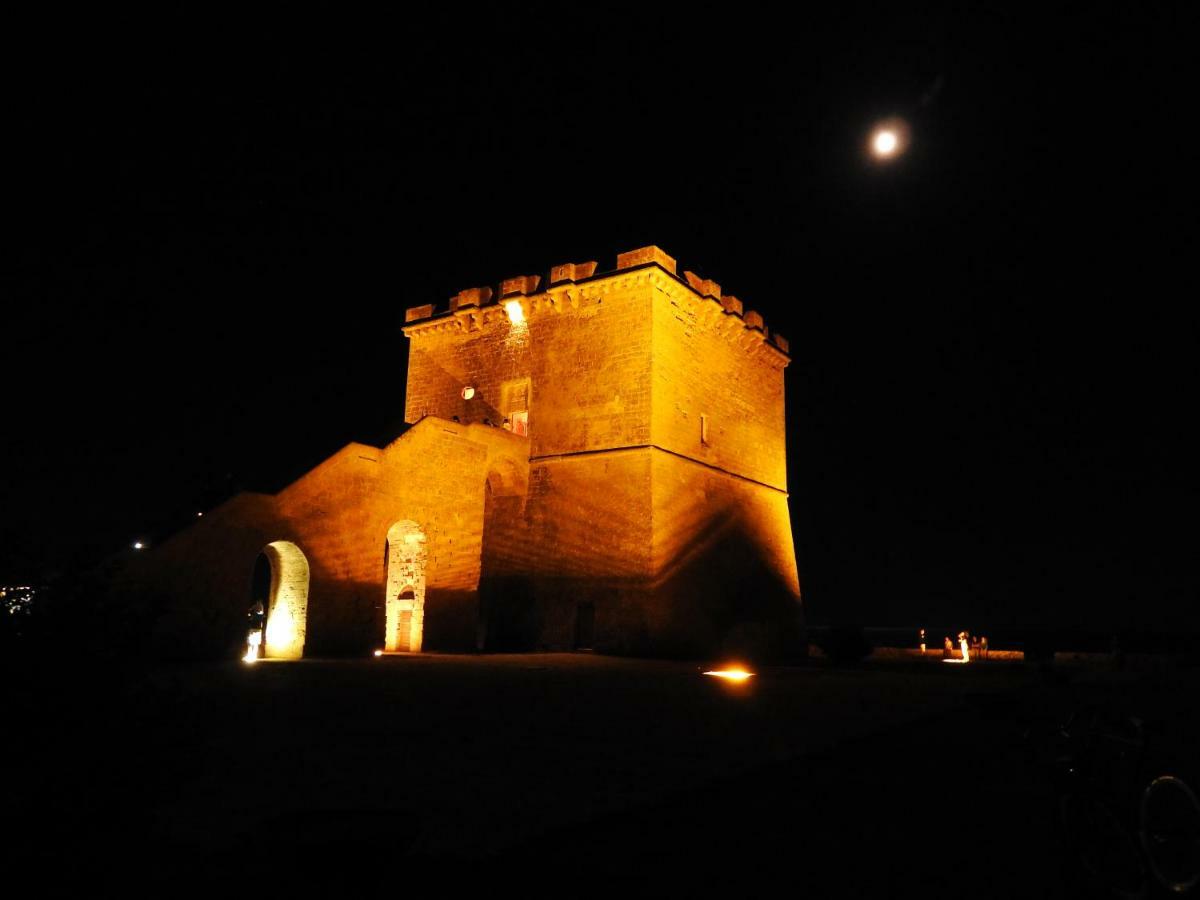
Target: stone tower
[655, 518]
[594, 462]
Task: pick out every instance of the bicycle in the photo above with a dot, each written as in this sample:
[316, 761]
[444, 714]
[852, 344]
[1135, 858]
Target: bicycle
[1125, 838]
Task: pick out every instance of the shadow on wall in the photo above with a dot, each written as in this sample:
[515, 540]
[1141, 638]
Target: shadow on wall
[513, 616]
[452, 619]
[345, 619]
[722, 595]
[476, 408]
[191, 631]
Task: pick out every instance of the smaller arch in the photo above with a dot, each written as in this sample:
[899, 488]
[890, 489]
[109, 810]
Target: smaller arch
[287, 599]
[404, 611]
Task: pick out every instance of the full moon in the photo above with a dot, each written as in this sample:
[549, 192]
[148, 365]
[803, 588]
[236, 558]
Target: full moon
[889, 139]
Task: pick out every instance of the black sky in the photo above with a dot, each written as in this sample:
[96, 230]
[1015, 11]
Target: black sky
[991, 396]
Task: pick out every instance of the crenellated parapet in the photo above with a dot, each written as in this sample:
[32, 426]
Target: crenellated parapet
[726, 318]
[569, 284]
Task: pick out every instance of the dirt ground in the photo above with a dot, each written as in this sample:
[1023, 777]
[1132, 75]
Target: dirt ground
[885, 779]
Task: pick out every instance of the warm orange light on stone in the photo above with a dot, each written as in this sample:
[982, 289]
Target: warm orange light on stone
[405, 611]
[516, 315]
[287, 611]
[619, 484]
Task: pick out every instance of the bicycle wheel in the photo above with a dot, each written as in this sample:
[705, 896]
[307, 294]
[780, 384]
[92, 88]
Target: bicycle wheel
[1103, 849]
[1170, 833]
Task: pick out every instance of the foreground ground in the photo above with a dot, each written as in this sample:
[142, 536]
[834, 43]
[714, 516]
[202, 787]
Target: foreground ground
[887, 778]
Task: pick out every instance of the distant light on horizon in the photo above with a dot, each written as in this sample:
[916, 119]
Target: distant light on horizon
[885, 142]
[735, 674]
[138, 545]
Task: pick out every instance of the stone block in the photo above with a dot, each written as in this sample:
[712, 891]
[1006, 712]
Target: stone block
[572, 272]
[477, 296]
[705, 287]
[522, 284]
[644, 255]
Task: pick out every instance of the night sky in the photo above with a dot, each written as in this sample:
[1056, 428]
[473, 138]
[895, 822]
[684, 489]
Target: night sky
[991, 399]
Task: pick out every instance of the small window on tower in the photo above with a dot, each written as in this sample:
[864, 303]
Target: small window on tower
[514, 404]
[704, 430]
[514, 395]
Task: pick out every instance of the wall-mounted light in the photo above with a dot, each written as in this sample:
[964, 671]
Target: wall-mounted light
[468, 392]
[516, 312]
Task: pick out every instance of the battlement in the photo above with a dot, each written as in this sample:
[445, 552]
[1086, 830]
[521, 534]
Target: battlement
[478, 307]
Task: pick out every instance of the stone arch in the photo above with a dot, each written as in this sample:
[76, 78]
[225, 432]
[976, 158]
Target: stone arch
[404, 611]
[286, 603]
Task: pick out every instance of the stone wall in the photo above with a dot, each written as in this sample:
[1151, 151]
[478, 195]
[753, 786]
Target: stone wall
[582, 534]
[584, 349]
[723, 561]
[339, 515]
[709, 363]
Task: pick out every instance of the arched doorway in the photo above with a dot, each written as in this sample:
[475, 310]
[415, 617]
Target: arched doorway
[280, 583]
[404, 617]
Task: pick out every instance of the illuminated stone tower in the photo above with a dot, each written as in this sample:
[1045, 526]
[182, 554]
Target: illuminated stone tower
[593, 462]
[655, 517]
